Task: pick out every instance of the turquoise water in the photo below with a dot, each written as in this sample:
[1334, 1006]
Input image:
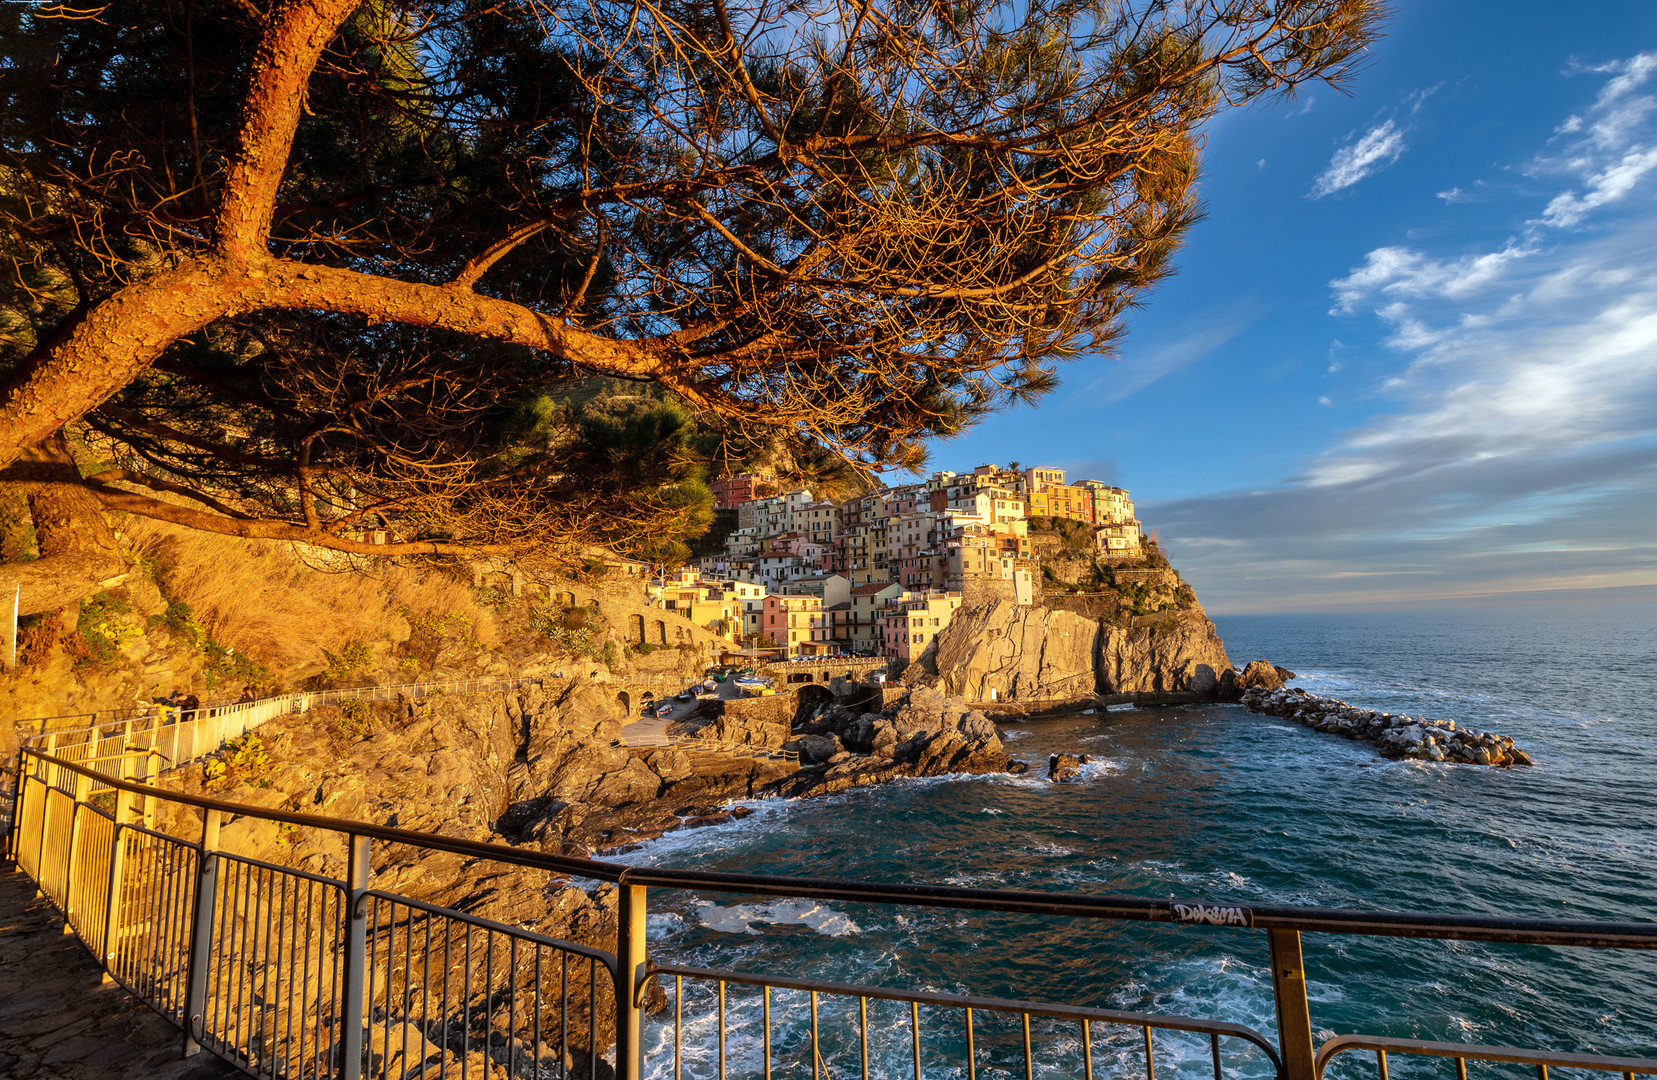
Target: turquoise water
[1217, 804]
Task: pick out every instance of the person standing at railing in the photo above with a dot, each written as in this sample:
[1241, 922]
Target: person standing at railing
[247, 695]
[169, 706]
[188, 706]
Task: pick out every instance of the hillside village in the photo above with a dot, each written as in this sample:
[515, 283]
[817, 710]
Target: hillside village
[881, 574]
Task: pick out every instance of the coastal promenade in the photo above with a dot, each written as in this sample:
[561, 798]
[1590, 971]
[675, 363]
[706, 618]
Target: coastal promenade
[58, 1021]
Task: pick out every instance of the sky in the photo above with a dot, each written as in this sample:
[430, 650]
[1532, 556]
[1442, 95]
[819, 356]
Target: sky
[1411, 354]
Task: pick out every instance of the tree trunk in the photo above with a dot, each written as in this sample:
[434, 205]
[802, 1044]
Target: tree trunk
[78, 551]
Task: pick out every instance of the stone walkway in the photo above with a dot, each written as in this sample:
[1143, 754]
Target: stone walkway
[58, 1023]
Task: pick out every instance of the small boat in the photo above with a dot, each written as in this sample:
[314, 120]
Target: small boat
[1126, 707]
[754, 686]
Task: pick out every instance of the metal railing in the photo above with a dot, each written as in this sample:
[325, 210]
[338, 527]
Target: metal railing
[264, 708]
[169, 736]
[293, 974]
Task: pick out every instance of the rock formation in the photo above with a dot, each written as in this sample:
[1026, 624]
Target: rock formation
[1066, 768]
[1167, 652]
[923, 734]
[1003, 652]
[1417, 738]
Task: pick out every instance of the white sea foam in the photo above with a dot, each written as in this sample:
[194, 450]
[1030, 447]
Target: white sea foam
[739, 918]
[1099, 767]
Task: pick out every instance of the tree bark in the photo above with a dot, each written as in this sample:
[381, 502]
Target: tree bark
[79, 554]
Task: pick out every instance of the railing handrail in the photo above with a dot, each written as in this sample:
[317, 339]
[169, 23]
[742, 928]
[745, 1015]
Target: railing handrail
[1548, 1059]
[119, 713]
[1169, 1021]
[1314, 920]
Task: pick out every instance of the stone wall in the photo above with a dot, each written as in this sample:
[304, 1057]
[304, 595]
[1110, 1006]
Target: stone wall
[758, 722]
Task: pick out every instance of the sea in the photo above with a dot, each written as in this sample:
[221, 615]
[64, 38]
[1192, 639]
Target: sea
[1215, 804]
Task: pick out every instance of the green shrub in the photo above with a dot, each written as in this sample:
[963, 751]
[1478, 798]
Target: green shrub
[577, 630]
[352, 720]
[101, 628]
[243, 759]
[353, 656]
[179, 619]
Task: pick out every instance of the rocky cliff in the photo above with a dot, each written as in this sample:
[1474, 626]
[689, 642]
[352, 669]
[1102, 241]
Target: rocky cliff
[1167, 652]
[1005, 652]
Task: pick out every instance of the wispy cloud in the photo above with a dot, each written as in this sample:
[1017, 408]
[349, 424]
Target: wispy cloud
[1519, 451]
[1379, 147]
[1140, 368]
[1606, 186]
[1606, 148]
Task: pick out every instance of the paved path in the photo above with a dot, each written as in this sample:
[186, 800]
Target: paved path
[58, 1023]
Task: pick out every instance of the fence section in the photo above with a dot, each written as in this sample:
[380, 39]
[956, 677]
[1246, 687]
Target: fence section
[291, 974]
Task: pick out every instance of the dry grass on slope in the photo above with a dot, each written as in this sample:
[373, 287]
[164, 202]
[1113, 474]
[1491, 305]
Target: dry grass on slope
[262, 598]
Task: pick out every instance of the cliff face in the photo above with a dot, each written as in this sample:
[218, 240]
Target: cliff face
[1004, 652]
[1171, 651]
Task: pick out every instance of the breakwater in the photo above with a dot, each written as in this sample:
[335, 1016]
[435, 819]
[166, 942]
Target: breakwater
[1395, 736]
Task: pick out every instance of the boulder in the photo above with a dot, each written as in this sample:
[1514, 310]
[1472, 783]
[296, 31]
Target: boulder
[1066, 768]
[1263, 675]
[814, 749]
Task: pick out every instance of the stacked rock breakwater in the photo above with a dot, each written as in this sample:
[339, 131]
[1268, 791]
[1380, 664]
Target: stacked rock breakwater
[1414, 737]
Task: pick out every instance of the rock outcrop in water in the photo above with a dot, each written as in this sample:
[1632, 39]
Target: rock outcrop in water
[1417, 738]
[1006, 652]
[1065, 768]
[924, 734]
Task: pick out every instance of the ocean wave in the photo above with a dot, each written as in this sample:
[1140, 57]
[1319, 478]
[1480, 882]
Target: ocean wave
[740, 918]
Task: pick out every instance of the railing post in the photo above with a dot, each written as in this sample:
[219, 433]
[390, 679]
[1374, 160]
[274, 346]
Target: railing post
[201, 934]
[117, 865]
[14, 827]
[152, 772]
[355, 960]
[1294, 1016]
[630, 967]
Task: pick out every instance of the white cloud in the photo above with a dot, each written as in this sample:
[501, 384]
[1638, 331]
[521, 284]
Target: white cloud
[1324, 400]
[1399, 272]
[1379, 147]
[1517, 446]
[1550, 369]
[1606, 186]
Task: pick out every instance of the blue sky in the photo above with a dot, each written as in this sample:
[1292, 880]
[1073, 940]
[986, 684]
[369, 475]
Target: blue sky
[1411, 354]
